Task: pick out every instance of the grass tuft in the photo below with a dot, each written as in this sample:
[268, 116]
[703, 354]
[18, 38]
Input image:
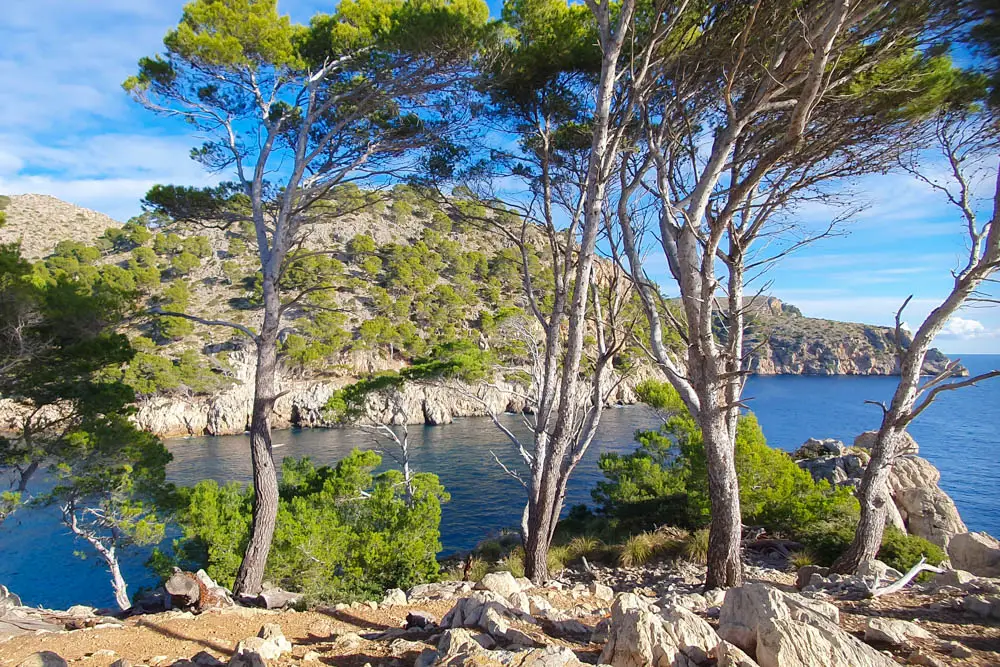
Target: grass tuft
[696, 547]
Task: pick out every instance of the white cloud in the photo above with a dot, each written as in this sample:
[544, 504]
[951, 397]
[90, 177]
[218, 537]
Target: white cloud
[965, 329]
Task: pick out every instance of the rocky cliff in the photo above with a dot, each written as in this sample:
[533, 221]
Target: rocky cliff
[781, 341]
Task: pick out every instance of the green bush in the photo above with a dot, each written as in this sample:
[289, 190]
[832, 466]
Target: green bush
[342, 532]
[665, 481]
[826, 541]
[902, 551]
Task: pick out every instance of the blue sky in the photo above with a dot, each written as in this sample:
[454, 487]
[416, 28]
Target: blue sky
[68, 130]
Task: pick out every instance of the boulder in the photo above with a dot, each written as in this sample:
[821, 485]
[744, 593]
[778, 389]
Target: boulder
[638, 637]
[806, 572]
[8, 599]
[786, 642]
[394, 597]
[834, 469]
[748, 607]
[930, 513]
[269, 644]
[420, 619]
[502, 583]
[43, 659]
[893, 631]
[247, 658]
[953, 578]
[978, 553]
[470, 612]
[876, 569]
[814, 448]
[728, 655]
[602, 592]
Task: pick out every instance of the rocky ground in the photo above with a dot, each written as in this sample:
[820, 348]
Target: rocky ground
[625, 617]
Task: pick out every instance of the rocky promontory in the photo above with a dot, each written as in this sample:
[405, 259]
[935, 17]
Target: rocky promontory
[782, 341]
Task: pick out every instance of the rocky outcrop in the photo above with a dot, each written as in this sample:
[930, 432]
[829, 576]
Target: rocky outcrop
[785, 630]
[920, 507]
[977, 553]
[303, 401]
[781, 341]
[640, 635]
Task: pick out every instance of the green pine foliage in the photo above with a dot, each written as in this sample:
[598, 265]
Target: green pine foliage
[665, 481]
[344, 532]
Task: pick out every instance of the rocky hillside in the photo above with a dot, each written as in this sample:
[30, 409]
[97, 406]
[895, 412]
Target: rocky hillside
[784, 342]
[405, 274]
[39, 222]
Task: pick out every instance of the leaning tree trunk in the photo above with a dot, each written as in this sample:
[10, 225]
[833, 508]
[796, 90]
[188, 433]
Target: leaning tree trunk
[250, 576]
[117, 580]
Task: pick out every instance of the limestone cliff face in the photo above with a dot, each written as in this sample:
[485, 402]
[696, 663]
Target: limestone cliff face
[302, 405]
[783, 342]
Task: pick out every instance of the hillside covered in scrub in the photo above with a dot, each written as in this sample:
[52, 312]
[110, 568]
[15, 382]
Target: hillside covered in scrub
[399, 274]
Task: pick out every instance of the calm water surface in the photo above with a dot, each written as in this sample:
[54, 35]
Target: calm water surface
[960, 434]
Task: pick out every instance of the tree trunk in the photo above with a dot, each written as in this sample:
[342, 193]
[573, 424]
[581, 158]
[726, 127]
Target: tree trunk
[725, 565]
[873, 495]
[118, 581]
[536, 543]
[250, 576]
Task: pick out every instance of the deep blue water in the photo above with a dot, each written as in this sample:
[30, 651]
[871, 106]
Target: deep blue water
[960, 434]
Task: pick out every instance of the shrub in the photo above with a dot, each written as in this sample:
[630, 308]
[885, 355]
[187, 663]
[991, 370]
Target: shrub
[665, 481]
[342, 532]
[902, 551]
[696, 546]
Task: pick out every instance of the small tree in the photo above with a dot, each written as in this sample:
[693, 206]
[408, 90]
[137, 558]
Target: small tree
[375, 406]
[313, 107]
[967, 140]
[58, 349]
[110, 479]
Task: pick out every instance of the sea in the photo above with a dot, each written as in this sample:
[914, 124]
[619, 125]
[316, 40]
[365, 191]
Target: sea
[960, 434]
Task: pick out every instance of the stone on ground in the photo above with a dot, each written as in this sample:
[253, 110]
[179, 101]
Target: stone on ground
[43, 659]
[729, 655]
[786, 642]
[893, 631]
[270, 643]
[394, 597]
[501, 583]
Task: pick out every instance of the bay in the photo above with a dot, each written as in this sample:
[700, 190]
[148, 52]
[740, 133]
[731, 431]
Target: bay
[960, 434]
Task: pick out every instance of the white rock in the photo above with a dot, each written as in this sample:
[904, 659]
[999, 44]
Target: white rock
[978, 553]
[728, 655]
[502, 583]
[747, 607]
[269, 643]
[893, 631]
[43, 659]
[394, 597]
[639, 637]
[785, 642]
[602, 592]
